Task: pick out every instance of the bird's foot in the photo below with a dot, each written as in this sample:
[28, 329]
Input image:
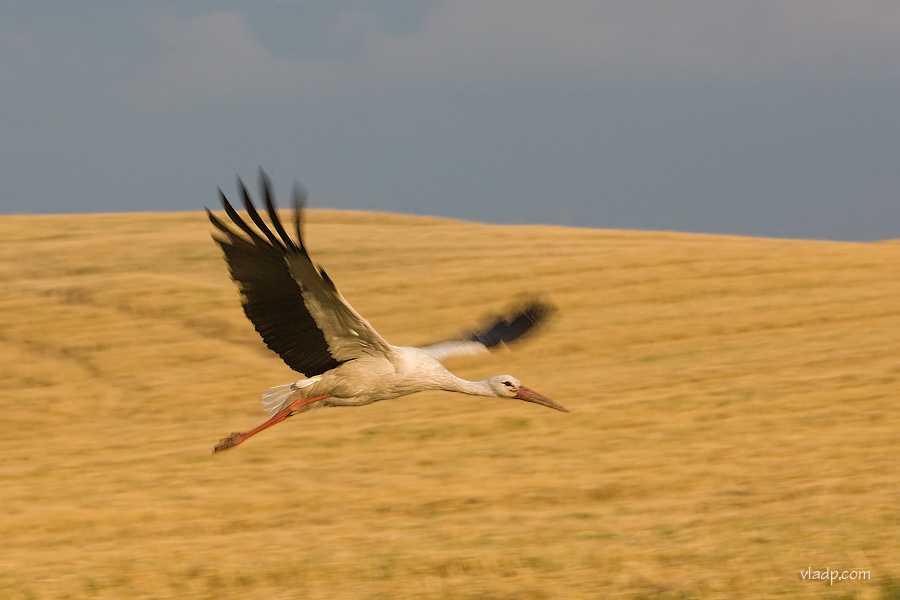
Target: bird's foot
[232, 440]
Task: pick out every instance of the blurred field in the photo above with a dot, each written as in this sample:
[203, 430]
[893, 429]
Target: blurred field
[734, 419]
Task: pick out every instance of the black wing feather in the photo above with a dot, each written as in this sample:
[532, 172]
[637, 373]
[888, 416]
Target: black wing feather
[257, 220]
[518, 323]
[299, 202]
[272, 298]
[265, 189]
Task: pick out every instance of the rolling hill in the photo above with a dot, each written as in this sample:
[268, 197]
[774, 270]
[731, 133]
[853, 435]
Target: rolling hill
[734, 419]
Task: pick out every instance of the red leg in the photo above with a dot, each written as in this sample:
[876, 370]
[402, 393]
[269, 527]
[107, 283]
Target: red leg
[236, 438]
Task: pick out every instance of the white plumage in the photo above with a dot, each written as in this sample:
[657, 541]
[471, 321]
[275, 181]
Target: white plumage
[302, 316]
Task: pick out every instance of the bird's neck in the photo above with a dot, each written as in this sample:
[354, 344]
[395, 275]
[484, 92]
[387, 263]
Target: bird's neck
[474, 388]
[430, 374]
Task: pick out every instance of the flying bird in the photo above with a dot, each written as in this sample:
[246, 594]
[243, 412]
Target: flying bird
[302, 317]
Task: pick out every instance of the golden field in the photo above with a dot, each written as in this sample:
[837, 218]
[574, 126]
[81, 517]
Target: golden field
[734, 419]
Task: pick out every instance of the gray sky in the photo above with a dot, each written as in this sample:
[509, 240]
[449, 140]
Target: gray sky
[773, 117]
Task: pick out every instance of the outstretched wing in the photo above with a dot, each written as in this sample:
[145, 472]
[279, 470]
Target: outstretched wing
[517, 323]
[291, 302]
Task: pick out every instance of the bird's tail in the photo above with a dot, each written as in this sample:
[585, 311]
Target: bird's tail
[276, 398]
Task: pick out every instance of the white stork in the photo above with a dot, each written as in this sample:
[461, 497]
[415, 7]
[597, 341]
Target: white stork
[302, 316]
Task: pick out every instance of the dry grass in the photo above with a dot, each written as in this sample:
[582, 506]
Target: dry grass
[734, 419]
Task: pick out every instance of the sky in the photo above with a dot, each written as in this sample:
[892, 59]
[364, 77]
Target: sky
[776, 118]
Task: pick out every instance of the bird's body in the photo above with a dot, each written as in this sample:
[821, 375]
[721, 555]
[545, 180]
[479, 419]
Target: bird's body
[302, 316]
[403, 371]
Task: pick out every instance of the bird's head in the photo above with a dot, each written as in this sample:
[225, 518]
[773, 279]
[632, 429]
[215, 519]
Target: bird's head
[507, 386]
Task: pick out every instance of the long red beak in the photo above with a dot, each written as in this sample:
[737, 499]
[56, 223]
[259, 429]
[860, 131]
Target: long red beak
[527, 395]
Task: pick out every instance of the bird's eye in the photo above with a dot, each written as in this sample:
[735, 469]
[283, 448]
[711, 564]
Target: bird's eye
[508, 384]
